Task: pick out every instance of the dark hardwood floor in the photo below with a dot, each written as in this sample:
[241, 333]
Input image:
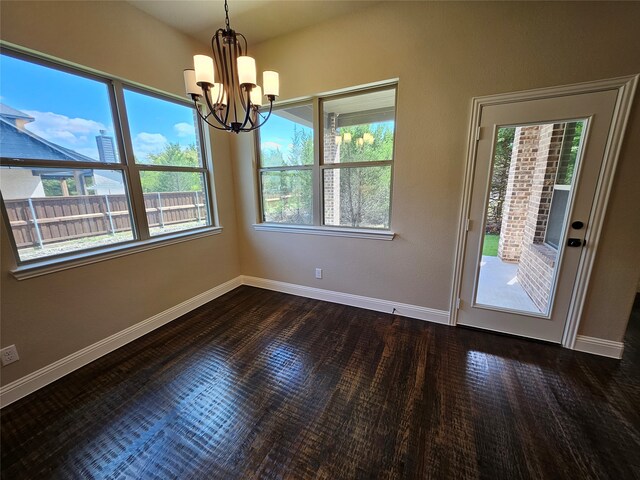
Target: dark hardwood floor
[258, 384]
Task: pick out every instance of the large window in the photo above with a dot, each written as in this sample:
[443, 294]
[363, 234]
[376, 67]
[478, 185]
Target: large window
[328, 161]
[78, 173]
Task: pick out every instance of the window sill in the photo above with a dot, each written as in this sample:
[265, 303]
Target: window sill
[329, 231]
[45, 266]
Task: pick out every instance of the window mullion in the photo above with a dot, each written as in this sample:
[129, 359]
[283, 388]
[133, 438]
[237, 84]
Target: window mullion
[22, 162]
[373, 163]
[317, 156]
[133, 178]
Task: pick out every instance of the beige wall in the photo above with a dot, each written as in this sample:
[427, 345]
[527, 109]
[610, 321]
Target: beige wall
[444, 54]
[55, 315]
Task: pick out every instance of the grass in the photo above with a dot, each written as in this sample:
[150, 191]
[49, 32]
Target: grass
[490, 245]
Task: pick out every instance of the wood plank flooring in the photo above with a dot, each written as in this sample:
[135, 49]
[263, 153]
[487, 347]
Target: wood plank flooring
[263, 385]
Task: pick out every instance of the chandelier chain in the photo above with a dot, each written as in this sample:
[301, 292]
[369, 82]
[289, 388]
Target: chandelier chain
[226, 13]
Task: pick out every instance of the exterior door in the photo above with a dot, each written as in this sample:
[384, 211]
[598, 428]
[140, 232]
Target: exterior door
[536, 171]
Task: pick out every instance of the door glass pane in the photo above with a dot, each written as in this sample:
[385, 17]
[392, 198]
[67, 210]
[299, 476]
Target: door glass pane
[287, 138]
[532, 179]
[54, 211]
[359, 128]
[357, 196]
[49, 114]
[174, 201]
[287, 196]
[162, 132]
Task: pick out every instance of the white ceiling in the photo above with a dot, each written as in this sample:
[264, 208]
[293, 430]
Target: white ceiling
[258, 20]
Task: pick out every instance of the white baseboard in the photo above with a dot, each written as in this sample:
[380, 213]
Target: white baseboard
[38, 379]
[599, 346]
[386, 306]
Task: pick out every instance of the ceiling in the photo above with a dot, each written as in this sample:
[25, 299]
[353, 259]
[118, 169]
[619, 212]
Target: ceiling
[258, 20]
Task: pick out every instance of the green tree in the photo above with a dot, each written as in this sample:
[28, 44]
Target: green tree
[287, 194]
[499, 178]
[176, 156]
[365, 191]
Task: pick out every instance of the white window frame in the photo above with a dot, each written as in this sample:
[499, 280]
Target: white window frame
[319, 166]
[130, 170]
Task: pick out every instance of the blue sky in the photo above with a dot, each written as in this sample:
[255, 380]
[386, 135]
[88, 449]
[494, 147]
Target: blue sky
[70, 110]
[277, 133]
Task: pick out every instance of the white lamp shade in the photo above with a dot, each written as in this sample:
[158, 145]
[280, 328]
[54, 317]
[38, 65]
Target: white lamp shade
[368, 138]
[347, 137]
[204, 69]
[271, 82]
[218, 95]
[190, 85]
[246, 70]
[360, 141]
[256, 96]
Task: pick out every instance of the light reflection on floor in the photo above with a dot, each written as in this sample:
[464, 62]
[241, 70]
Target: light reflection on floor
[202, 412]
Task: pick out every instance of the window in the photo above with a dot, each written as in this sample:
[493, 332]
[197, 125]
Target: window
[571, 139]
[71, 181]
[348, 171]
[166, 146]
[286, 158]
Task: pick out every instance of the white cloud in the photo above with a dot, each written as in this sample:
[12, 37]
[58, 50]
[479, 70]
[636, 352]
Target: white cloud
[145, 143]
[68, 132]
[183, 129]
[271, 146]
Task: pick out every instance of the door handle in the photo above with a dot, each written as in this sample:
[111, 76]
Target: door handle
[576, 242]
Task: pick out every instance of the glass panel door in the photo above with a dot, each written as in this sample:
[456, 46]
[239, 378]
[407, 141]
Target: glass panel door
[536, 170]
[532, 177]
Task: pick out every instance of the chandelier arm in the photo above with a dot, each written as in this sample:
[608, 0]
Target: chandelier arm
[253, 117]
[246, 45]
[264, 119]
[212, 109]
[238, 52]
[204, 119]
[232, 83]
[247, 114]
[221, 63]
[215, 49]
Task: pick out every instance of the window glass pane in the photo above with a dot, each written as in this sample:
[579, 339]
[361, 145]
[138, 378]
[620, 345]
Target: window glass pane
[359, 128]
[53, 211]
[557, 212]
[569, 152]
[357, 197]
[287, 196]
[174, 201]
[162, 132]
[48, 114]
[287, 137]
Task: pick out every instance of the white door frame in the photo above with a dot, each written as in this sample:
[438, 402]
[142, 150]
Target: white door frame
[626, 87]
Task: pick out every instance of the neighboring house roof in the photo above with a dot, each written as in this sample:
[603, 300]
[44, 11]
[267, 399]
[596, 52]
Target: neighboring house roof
[21, 143]
[7, 111]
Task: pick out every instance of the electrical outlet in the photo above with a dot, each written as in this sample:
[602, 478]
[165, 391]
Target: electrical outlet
[9, 355]
[318, 273]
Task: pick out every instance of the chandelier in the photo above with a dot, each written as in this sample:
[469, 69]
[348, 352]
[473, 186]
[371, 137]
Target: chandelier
[227, 83]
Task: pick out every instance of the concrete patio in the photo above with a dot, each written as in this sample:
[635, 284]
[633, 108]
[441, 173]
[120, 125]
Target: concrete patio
[499, 287]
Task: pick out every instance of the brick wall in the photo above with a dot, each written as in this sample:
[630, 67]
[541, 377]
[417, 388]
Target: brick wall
[331, 180]
[516, 203]
[537, 260]
[535, 273]
[532, 174]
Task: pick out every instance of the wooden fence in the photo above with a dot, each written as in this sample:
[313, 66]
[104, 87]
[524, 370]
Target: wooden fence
[44, 220]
